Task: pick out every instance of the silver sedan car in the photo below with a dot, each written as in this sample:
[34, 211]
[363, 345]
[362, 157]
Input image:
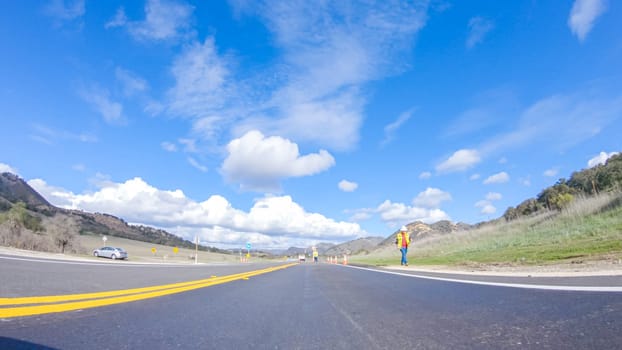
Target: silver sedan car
[110, 252]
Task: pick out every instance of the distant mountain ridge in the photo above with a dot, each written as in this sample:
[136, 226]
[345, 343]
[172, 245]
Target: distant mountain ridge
[419, 230]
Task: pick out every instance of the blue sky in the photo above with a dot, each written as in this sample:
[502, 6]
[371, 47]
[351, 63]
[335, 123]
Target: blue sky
[287, 123]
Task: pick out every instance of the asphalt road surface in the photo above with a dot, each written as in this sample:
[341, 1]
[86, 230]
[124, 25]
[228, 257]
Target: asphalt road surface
[306, 306]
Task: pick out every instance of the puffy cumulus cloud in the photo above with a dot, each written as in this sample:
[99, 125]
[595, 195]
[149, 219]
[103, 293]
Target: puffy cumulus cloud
[272, 220]
[257, 162]
[431, 198]
[498, 178]
[164, 19]
[347, 186]
[5, 168]
[55, 195]
[396, 214]
[600, 159]
[282, 216]
[461, 160]
[486, 207]
[583, 15]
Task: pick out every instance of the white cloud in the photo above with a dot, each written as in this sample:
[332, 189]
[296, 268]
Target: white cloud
[551, 172]
[483, 114]
[119, 19]
[559, 121]
[78, 167]
[330, 50]
[431, 198]
[100, 100]
[493, 196]
[271, 221]
[164, 20]
[474, 177]
[190, 145]
[361, 215]
[461, 160]
[132, 83]
[503, 160]
[257, 162]
[498, 178]
[486, 207]
[64, 11]
[5, 168]
[169, 146]
[396, 214]
[50, 136]
[526, 181]
[347, 186]
[200, 81]
[600, 159]
[197, 165]
[583, 15]
[425, 175]
[478, 28]
[390, 129]
[333, 121]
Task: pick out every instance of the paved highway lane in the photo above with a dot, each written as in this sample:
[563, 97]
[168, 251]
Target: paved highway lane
[26, 276]
[334, 307]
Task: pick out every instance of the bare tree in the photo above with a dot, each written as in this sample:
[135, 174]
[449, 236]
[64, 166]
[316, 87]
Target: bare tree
[63, 230]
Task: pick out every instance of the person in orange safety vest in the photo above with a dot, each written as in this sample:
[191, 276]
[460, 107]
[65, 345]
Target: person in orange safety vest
[403, 241]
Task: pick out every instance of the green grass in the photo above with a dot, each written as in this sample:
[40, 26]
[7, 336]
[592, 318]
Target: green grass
[590, 229]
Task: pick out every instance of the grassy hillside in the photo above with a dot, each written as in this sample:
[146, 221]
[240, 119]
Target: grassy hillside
[587, 229]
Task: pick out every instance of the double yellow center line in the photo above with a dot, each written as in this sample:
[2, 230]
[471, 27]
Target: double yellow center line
[61, 303]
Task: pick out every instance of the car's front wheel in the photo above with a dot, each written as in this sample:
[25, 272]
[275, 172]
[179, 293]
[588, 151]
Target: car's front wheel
[114, 257]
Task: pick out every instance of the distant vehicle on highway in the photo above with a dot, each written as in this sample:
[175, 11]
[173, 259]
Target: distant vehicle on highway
[302, 257]
[110, 252]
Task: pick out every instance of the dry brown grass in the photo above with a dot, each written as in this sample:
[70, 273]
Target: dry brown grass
[141, 251]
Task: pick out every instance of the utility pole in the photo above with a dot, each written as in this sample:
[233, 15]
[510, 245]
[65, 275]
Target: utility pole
[196, 250]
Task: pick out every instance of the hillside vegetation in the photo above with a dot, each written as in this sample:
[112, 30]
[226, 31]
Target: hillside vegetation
[572, 221]
[587, 229]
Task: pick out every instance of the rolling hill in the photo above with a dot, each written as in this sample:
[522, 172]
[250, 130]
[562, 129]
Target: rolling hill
[21, 204]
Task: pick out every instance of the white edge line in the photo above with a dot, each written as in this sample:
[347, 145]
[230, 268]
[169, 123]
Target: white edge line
[511, 285]
[95, 263]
